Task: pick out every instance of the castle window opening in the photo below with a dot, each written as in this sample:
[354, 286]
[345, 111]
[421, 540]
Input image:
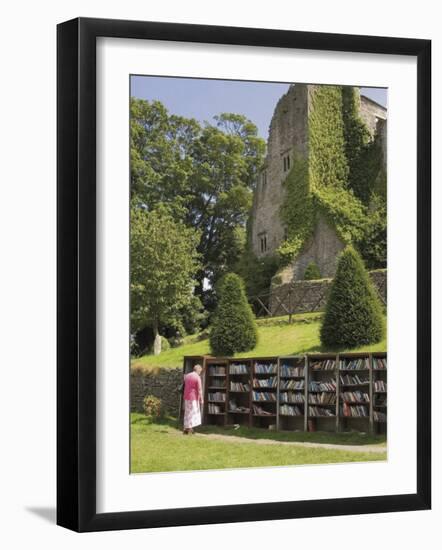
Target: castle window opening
[263, 242]
[286, 163]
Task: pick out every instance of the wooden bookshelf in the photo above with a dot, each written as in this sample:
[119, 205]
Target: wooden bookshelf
[239, 392]
[312, 392]
[264, 392]
[215, 395]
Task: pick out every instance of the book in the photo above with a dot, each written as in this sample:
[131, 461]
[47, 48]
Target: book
[239, 387]
[217, 370]
[379, 363]
[380, 386]
[261, 412]
[291, 384]
[354, 364]
[379, 416]
[322, 385]
[288, 371]
[218, 383]
[353, 380]
[290, 410]
[234, 407]
[265, 382]
[263, 396]
[238, 368]
[319, 411]
[354, 410]
[324, 398]
[328, 364]
[217, 397]
[213, 409]
[291, 397]
[355, 397]
[266, 368]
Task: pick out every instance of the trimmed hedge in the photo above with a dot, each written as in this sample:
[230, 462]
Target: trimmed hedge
[234, 328]
[353, 315]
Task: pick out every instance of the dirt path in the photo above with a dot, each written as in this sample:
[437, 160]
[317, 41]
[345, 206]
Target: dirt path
[354, 448]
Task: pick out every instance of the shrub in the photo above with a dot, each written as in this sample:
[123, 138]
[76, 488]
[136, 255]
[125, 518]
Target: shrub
[353, 315]
[234, 327]
[152, 406]
[312, 272]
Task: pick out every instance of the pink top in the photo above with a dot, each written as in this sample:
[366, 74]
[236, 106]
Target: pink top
[192, 387]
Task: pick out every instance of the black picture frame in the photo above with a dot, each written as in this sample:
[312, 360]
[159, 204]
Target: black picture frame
[76, 273]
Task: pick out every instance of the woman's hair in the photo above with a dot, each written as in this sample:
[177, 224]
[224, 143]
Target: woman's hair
[198, 366]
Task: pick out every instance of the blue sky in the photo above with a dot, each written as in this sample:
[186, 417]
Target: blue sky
[202, 99]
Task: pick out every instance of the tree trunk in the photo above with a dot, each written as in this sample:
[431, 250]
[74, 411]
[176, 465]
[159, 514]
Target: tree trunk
[157, 341]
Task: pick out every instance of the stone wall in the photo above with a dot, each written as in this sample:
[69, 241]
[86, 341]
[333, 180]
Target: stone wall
[162, 383]
[311, 296]
[322, 248]
[288, 136]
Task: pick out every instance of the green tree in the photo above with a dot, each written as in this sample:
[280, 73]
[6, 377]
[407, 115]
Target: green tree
[205, 173]
[312, 272]
[234, 327]
[164, 262]
[353, 315]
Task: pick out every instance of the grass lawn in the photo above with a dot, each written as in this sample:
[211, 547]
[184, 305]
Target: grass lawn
[161, 447]
[275, 337]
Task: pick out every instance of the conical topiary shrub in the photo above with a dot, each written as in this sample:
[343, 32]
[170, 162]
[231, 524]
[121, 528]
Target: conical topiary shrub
[233, 328]
[353, 315]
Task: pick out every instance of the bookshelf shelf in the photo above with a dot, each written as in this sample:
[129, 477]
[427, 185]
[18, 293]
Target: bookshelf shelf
[348, 390]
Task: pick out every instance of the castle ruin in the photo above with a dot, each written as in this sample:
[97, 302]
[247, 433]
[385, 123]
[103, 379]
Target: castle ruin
[289, 140]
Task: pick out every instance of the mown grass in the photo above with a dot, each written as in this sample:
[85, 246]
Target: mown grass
[275, 337]
[161, 447]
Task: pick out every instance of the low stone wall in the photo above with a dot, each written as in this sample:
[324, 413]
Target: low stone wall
[311, 296]
[162, 383]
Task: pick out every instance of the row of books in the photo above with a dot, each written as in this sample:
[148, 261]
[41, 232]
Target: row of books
[379, 416]
[287, 371]
[324, 398]
[263, 396]
[239, 386]
[354, 364]
[328, 364]
[234, 407]
[353, 380]
[217, 396]
[291, 384]
[380, 385]
[266, 368]
[319, 411]
[322, 385]
[291, 397]
[354, 410]
[218, 383]
[355, 397]
[238, 368]
[261, 412]
[217, 370]
[214, 409]
[265, 382]
[290, 410]
[379, 363]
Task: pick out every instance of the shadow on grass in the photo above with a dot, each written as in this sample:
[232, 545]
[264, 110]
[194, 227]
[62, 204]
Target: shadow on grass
[343, 438]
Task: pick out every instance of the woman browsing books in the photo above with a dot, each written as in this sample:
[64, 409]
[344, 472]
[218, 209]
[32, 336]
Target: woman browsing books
[193, 399]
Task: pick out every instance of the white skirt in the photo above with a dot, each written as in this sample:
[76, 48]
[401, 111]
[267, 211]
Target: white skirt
[192, 414]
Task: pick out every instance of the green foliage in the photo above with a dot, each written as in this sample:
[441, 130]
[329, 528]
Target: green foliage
[328, 161]
[373, 243]
[257, 272]
[312, 272]
[203, 173]
[341, 180]
[164, 262]
[152, 407]
[353, 315]
[234, 328]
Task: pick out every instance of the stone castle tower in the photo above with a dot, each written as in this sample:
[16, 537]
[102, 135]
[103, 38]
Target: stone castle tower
[289, 138]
